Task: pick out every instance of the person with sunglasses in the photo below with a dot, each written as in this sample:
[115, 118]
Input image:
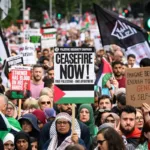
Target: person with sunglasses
[45, 102]
[109, 139]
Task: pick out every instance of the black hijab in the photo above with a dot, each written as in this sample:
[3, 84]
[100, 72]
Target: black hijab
[22, 135]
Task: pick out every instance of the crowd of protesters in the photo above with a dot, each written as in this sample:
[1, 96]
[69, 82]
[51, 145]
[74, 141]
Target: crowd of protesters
[107, 124]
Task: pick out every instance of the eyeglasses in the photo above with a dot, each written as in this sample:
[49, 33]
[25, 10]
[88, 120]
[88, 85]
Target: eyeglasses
[9, 108]
[139, 118]
[101, 142]
[43, 103]
[62, 122]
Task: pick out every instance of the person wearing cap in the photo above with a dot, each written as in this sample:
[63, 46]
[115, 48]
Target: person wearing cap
[29, 124]
[64, 135]
[41, 117]
[22, 141]
[8, 142]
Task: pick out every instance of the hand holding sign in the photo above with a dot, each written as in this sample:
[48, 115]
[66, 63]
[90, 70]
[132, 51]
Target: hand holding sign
[75, 138]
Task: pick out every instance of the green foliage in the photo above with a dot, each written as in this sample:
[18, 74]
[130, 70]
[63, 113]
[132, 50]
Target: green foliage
[13, 13]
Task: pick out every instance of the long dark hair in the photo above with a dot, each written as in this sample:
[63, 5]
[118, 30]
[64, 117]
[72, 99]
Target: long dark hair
[145, 129]
[115, 141]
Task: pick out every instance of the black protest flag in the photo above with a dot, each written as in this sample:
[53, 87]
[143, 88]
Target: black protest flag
[116, 30]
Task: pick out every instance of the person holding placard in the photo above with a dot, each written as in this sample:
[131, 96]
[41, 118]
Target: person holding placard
[64, 135]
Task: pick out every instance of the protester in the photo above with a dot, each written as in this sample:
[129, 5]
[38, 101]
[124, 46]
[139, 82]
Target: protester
[85, 115]
[29, 124]
[34, 143]
[30, 105]
[22, 141]
[112, 118]
[131, 58]
[105, 102]
[117, 70]
[81, 129]
[109, 139]
[139, 119]
[37, 83]
[45, 102]
[127, 125]
[11, 110]
[64, 136]
[8, 142]
[50, 114]
[145, 138]
[41, 118]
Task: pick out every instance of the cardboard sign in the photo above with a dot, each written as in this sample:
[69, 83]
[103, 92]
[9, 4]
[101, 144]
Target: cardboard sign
[48, 39]
[74, 75]
[20, 79]
[138, 86]
[28, 52]
[14, 60]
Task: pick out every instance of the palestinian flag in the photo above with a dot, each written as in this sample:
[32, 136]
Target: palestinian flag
[104, 74]
[47, 21]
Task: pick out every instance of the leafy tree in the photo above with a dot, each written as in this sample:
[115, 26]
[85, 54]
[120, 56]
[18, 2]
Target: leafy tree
[13, 14]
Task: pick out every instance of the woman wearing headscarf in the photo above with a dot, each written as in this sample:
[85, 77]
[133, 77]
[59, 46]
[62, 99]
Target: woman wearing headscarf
[64, 136]
[22, 141]
[29, 124]
[41, 117]
[112, 118]
[85, 115]
[8, 142]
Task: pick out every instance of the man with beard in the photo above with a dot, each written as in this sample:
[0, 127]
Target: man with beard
[37, 83]
[117, 70]
[127, 125]
[48, 131]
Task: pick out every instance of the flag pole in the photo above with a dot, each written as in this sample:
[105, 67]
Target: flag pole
[73, 118]
[19, 109]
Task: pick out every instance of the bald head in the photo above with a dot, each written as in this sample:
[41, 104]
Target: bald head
[118, 55]
[3, 103]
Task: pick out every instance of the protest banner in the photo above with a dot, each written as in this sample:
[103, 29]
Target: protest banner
[74, 75]
[14, 60]
[138, 86]
[34, 36]
[28, 52]
[20, 78]
[48, 39]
